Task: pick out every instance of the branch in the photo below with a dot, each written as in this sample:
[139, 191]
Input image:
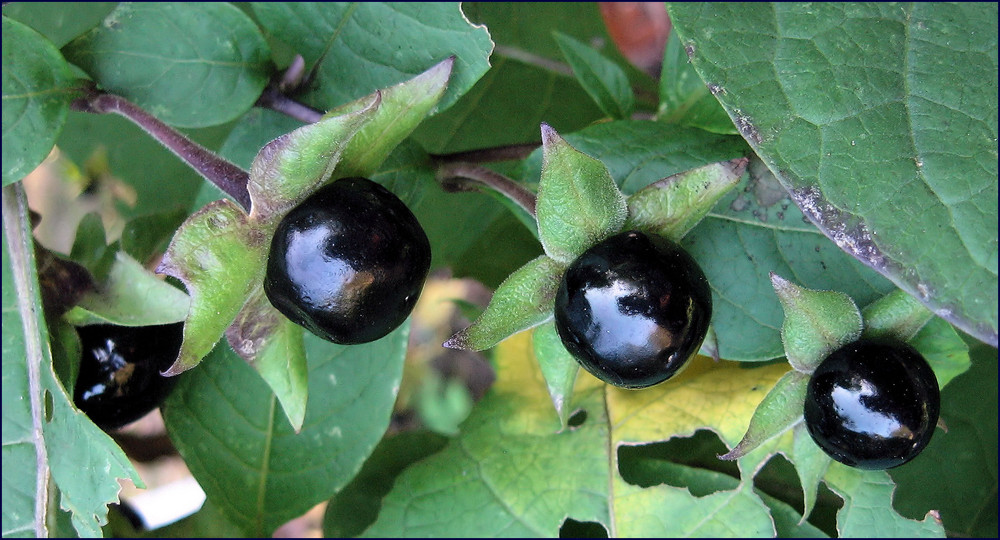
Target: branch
[509, 152]
[274, 95]
[461, 176]
[221, 172]
[273, 98]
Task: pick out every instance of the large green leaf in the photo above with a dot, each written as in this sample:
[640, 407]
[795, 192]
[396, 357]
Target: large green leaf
[24, 457]
[604, 81]
[856, 109]
[211, 76]
[354, 48]
[226, 423]
[43, 433]
[37, 85]
[513, 472]
[357, 505]
[59, 21]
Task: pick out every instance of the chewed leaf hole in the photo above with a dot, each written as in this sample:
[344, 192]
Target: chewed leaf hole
[685, 462]
[577, 418]
[572, 528]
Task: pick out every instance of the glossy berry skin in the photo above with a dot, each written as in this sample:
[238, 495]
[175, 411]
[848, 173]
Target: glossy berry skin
[873, 404]
[119, 380]
[348, 263]
[633, 309]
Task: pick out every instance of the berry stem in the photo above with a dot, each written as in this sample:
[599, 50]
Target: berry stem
[227, 176]
[509, 152]
[273, 97]
[462, 176]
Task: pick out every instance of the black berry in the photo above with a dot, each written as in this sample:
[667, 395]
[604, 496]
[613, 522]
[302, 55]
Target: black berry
[119, 380]
[873, 404]
[633, 309]
[348, 263]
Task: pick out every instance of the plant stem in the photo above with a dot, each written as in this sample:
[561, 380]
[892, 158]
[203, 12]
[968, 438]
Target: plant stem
[221, 172]
[273, 98]
[509, 152]
[461, 176]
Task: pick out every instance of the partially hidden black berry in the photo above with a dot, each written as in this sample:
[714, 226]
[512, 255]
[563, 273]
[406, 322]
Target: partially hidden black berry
[873, 404]
[633, 309]
[119, 379]
[348, 263]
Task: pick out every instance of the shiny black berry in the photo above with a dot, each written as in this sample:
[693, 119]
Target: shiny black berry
[348, 263]
[633, 309]
[119, 380]
[873, 404]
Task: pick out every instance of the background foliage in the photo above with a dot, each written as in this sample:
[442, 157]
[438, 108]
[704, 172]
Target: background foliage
[872, 130]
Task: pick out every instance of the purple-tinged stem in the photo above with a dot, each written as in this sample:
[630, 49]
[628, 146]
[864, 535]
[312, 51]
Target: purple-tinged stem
[461, 176]
[489, 155]
[221, 172]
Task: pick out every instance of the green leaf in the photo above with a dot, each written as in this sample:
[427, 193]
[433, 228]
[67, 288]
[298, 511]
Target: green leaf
[509, 473]
[220, 259]
[226, 424]
[558, 367]
[578, 202]
[402, 108]
[811, 463]
[673, 206]
[866, 512]
[90, 247]
[273, 345]
[604, 81]
[59, 22]
[443, 403]
[131, 296]
[957, 473]
[780, 410]
[896, 314]
[684, 97]
[527, 83]
[725, 513]
[43, 433]
[354, 48]
[289, 168]
[943, 349]
[213, 75]
[855, 108]
[148, 236]
[37, 88]
[816, 323]
[357, 506]
[524, 300]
